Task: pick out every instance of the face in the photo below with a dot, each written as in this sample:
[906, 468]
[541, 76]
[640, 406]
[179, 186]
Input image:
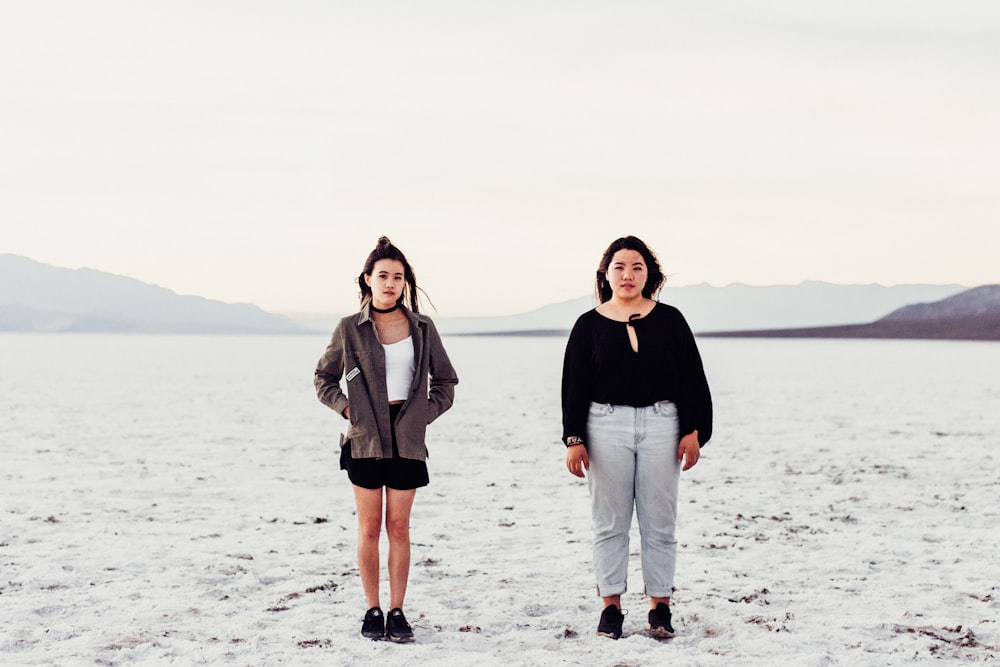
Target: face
[387, 280]
[627, 274]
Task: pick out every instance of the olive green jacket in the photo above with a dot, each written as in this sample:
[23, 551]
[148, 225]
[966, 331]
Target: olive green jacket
[355, 356]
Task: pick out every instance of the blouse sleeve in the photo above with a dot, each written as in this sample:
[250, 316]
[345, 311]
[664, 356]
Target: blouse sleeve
[577, 380]
[695, 403]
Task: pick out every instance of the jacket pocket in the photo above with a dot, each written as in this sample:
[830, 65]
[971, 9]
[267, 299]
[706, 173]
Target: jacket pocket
[353, 433]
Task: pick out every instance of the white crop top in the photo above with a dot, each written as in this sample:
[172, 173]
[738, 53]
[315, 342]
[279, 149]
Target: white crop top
[399, 367]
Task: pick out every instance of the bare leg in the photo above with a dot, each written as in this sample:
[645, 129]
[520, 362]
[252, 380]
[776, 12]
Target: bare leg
[369, 502]
[397, 526]
[655, 601]
[615, 600]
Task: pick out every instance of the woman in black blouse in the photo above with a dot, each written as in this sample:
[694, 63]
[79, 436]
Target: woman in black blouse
[636, 408]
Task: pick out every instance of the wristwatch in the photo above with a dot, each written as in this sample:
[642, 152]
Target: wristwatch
[574, 440]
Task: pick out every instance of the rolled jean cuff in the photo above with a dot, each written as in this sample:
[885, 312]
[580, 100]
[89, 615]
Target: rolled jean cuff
[657, 594]
[611, 589]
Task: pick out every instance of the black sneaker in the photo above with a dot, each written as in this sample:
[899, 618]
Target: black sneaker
[611, 621]
[396, 627]
[659, 621]
[374, 624]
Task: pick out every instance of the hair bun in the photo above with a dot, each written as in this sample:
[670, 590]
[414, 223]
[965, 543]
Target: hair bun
[384, 240]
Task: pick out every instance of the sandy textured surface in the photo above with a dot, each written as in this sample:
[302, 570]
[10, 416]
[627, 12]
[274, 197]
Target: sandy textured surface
[177, 500]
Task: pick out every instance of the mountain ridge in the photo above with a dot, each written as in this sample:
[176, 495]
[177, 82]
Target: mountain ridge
[973, 314]
[38, 297]
[732, 307]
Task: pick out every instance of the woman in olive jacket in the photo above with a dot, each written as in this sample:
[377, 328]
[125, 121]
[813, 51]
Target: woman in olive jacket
[397, 380]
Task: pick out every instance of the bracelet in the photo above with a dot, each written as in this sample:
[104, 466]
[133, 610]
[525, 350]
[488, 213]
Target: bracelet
[574, 440]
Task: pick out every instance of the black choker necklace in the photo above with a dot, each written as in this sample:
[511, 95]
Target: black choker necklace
[383, 312]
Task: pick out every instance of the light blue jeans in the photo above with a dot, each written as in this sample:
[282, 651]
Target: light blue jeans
[633, 462]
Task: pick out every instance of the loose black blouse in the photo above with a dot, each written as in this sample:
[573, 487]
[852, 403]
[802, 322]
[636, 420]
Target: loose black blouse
[600, 366]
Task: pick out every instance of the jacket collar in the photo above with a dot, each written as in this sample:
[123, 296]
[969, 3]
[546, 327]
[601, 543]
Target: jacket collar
[365, 314]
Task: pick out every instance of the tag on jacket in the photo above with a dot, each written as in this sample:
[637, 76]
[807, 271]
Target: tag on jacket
[353, 374]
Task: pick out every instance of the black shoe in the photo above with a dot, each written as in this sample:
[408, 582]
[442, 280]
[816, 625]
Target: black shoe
[396, 627]
[374, 624]
[659, 621]
[611, 621]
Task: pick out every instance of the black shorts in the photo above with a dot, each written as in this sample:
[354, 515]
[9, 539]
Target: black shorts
[395, 473]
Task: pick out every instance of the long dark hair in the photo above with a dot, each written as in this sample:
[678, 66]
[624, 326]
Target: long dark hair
[386, 250]
[654, 280]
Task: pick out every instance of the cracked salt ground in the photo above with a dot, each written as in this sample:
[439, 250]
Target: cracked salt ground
[844, 513]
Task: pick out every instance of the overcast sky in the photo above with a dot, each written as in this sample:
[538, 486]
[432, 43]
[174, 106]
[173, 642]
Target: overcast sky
[253, 151]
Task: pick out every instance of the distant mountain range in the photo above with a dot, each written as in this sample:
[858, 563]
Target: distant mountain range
[733, 307]
[36, 297]
[43, 298]
[970, 315]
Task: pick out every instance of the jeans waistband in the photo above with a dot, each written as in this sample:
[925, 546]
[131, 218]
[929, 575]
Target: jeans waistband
[657, 408]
